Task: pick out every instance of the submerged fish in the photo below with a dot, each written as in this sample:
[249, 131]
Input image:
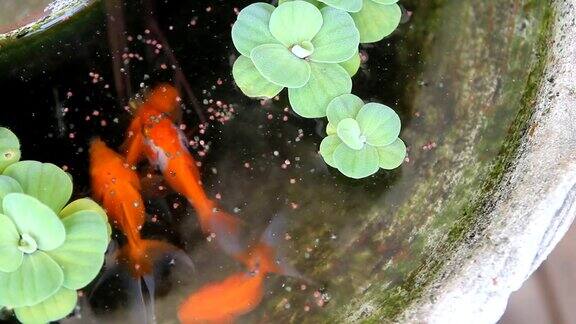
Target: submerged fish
[153, 134]
[240, 293]
[117, 187]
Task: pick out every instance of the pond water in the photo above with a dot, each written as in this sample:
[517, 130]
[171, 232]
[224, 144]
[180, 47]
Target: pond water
[457, 74]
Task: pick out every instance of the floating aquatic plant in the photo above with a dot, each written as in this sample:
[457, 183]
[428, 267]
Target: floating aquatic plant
[361, 137]
[311, 48]
[48, 249]
[295, 46]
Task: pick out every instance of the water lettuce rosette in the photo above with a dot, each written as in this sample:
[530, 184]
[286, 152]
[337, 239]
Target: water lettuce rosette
[48, 249]
[296, 46]
[361, 137]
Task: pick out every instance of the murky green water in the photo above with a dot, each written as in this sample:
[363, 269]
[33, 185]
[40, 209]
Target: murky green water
[457, 73]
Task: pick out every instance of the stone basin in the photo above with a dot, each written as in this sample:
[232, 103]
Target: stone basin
[486, 92]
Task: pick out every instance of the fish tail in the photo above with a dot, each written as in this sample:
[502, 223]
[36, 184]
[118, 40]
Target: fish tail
[268, 254]
[144, 256]
[227, 229]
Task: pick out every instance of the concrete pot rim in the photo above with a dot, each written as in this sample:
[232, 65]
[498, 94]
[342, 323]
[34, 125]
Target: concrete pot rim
[60, 11]
[533, 207]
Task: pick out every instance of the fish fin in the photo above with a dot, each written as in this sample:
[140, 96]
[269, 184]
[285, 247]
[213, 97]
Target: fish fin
[136, 304]
[152, 253]
[268, 250]
[110, 268]
[150, 284]
[227, 229]
[133, 147]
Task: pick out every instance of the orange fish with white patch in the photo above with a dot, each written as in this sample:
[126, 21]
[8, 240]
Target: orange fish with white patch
[153, 134]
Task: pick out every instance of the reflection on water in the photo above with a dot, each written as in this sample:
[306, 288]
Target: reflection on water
[15, 14]
[352, 239]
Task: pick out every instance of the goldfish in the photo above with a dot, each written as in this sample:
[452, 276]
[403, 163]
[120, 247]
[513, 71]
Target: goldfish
[242, 292]
[153, 134]
[117, 186]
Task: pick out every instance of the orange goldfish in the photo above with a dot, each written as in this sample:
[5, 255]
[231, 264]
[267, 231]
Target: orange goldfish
[240, 293]
[117, 187]
[152, 133]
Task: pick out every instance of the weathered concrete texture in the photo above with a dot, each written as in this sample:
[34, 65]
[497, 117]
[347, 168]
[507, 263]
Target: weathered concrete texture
[533, 207]
[57, 11]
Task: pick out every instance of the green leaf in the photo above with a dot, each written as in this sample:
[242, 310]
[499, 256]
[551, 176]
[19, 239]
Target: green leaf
[294, 22]
[327, 81]
[342, 107]
[346, 5]
[376, 21]
[337, 40]
[45, 181]
[82, 255]
[391, 156]
[386, 2]
[379, 123]
[38, 278]
[35, 219]
[349, 132]
[85, 204]
[9, 148]
[279, 66]
[331, 129]
[356, 164]
[8, 185]
[10, 256]
[55, 308]
[251, 82]
[327, 148]
[251, 29]
[316, 3]
[352, 65]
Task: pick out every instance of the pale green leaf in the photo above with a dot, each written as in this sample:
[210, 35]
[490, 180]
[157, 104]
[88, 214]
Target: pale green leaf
[55, 308]
[84, 204]
[316, 3]
[327, 148]
[344, 106]
[376, 21]
[251, 29]
[35, 219]
[327, 81]
[349, 132]
[356, 164]
[279, 66]
[251, 82]
[38, 278]
[379, 123]
[294, 22]
[391, 156]
[82, 255]
[9, 148]
[352, 65]
[10, 256]
[45, 181]
[386, 2]
[346, 5]
[8, 185]
[331, 129]
[337, 40]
